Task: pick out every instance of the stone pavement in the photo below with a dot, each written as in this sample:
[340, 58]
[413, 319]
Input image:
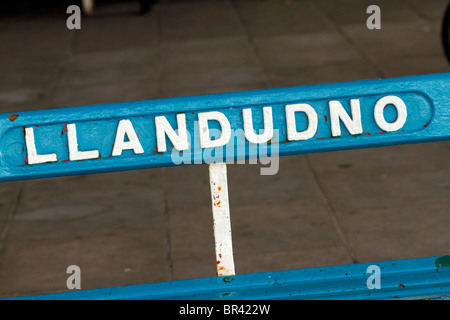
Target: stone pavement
[156, 225]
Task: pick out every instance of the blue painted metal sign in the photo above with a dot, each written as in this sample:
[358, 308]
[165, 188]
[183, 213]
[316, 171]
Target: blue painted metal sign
[224, 127]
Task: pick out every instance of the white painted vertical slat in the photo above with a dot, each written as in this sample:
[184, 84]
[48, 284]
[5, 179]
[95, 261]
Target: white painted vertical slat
[221, 216]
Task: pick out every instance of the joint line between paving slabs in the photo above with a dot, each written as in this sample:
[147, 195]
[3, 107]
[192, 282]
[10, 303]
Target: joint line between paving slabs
[165, 185]
[348, 39]
[269, 83]
[11, 215]
[251, 44]
[332, 213]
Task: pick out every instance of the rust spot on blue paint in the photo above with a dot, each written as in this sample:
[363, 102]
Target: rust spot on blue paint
[227, 279]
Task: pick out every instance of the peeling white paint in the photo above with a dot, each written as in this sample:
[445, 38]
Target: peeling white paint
[221, 216]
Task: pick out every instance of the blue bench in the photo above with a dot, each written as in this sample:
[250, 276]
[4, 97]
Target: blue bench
[220, 128]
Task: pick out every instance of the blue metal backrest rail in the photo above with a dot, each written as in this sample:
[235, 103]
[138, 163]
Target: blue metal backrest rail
[328, 117]
[224, 127]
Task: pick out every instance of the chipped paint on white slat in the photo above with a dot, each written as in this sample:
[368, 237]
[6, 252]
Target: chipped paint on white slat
[221, 217]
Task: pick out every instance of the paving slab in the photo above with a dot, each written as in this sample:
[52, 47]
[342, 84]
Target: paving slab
[181, 21]
[55, 222]
[417, 44]
[39, 267]
[396, 194]
[116, 27]
[312, 58]
[202, 66]
[271, 18]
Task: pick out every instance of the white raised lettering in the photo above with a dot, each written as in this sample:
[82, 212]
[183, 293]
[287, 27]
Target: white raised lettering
[32, 156]
[74, 153]
[292, 133]
[205, 139]
[163, 127]
[337, 112]
[248, 126]
[126, 127]
[401, 113]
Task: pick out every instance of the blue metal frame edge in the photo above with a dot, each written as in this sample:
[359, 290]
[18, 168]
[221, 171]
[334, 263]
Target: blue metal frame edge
[421, 278]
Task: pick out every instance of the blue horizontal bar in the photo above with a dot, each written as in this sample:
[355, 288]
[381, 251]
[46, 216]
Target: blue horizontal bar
[426, 99]
[422, 278]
